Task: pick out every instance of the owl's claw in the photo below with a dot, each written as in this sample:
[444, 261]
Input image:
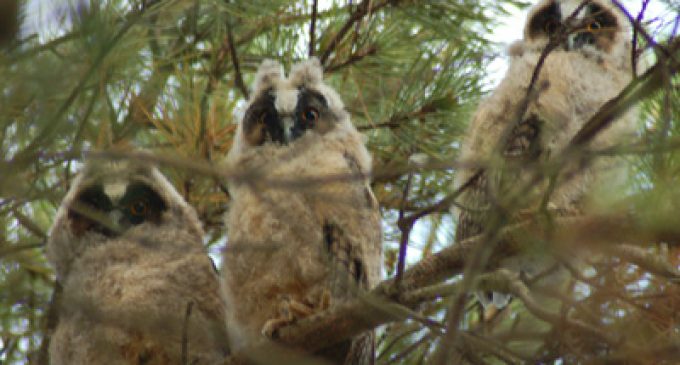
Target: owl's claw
[291, 310]
[272, 326]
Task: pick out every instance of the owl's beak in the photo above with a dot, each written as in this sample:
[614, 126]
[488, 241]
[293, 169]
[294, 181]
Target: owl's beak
[288, 128]
[117, 221]
[580, 38]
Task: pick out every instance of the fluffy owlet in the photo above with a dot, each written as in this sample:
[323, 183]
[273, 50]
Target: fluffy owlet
[303, 226]
[588, 68]
[137, 282]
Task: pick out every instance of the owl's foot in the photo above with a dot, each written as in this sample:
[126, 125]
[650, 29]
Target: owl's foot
[291, 310]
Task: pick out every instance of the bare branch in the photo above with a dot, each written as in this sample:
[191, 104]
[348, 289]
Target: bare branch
[50, 324]
[312, 27]
[362, 10]
[354, 58]
[405, 228]
[238, 76]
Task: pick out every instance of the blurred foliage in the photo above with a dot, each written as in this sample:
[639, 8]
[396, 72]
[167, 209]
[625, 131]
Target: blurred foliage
[169, 76]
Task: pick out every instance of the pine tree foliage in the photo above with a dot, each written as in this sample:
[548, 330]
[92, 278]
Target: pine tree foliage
[170, 76]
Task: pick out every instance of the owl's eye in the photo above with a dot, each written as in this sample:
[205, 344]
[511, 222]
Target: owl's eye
[139, 208]
[551, 26]
[594, 26]
[310, 115]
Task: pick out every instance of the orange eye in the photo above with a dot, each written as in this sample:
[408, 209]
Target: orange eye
[139, 208]
[310, 115]
[594, 26]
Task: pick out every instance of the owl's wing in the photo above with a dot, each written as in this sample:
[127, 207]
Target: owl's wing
[352, 236]
[472, 207]
[362, 350]
[522, 146]
[353, 240]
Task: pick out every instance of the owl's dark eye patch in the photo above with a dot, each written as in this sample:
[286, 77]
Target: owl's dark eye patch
[598, 28]
[95, 198]
[261, 121]
[547, 21]
[88, 211]
[600, 18]
[308, 96]
[310, 111]
[141, 203]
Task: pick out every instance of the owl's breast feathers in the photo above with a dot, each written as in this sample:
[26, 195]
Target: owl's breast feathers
[145, 293]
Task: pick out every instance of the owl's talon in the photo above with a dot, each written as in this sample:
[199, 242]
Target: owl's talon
[290, 310]
[272, 326]
[299, 310]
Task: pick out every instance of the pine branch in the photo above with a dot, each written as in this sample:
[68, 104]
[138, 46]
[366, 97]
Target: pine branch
[362, 10]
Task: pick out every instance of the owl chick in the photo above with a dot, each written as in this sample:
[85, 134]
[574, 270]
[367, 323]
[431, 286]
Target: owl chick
[303, 226]
[138, 285]
[588, 68]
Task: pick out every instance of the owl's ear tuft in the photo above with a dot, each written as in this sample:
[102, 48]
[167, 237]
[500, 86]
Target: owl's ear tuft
[268, 74]
[308, 72]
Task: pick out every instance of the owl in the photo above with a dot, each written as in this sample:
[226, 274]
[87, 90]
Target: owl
[303, 226]
[138, 285]
[590, 66]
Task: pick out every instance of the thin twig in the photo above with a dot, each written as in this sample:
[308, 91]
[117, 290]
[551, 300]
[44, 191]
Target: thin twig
[312, 27]
[405, 228]
[505, 281]
[50, 324]
[639, 30]
[238, 76]
[638, 89]
[354, 58]
[361, 11]
[27, 223]
[634, 51]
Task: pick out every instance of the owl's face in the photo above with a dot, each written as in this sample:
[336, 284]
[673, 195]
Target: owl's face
[120, 201]
[282, 115]
[284, 109]
[598, 26]
[111, 205]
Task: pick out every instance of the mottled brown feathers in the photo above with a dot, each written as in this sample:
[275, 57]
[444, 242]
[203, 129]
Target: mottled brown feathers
[125, 292]
[298, 247]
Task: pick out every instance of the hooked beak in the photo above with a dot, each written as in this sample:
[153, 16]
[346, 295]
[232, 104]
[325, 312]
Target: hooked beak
[116, 221]
[580, 39]
[582, 35]
[288, 126]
